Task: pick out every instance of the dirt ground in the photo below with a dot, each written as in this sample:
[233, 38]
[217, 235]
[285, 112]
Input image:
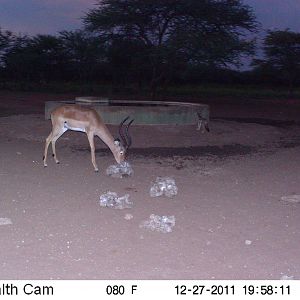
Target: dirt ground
[231, 219]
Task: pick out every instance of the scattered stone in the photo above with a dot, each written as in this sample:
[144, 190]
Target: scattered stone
[111, 199]
[291, 198]
[286, 277]
[121, 170]
[163, 186]
[162, 224]
[128, 217]
[5, 221]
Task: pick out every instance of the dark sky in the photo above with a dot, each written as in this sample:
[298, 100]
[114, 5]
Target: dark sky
[42, 16]
[51, 16]
[277, 14]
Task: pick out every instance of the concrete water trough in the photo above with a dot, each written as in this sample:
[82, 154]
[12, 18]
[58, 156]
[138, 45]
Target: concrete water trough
[143, 112]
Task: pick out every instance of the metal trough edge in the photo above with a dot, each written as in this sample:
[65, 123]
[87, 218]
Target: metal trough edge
[144, 112]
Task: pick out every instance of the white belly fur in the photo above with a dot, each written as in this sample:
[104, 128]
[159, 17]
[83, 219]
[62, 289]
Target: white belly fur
[67, 127]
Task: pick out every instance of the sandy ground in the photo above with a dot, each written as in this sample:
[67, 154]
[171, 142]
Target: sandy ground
[231, 222]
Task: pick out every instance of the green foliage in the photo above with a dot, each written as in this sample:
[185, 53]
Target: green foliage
[172, 34]
[37, 58]
[72, 55]
[247, 93]
[189, 93]
[132, 47]
[83, 52]
[5, 37]
[282, 49]
[282, 56]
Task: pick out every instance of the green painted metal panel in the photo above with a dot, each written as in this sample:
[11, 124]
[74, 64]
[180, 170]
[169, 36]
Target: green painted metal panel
[143, 112]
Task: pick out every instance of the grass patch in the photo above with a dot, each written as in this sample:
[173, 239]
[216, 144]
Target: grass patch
[224, 91]
[186, 92]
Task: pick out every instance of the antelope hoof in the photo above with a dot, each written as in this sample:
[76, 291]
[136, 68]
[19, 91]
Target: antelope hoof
[97, 170]
[57, 162]
[45, 165]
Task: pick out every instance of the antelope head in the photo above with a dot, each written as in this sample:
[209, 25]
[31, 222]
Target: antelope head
[123, 144]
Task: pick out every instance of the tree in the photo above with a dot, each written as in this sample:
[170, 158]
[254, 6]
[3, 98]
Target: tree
[14, 59]
[6, 38]
[281, 56]
[83, 51]
[35, 58]
[48, 57]
[176, 31]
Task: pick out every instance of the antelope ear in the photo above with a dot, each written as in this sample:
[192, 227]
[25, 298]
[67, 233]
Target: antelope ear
[117, 142]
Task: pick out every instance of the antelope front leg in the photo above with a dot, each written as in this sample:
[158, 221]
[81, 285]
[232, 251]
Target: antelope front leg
[92, 145]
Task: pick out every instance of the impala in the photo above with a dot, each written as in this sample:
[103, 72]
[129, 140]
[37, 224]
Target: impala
[85, 119]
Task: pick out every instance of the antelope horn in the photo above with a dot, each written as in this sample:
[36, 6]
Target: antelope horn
[129, 140]
[122, 136]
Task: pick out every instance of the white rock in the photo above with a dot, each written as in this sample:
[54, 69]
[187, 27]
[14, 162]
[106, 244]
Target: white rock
[128, 217]
[286, 277]
[291, 198]
[5, 221]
